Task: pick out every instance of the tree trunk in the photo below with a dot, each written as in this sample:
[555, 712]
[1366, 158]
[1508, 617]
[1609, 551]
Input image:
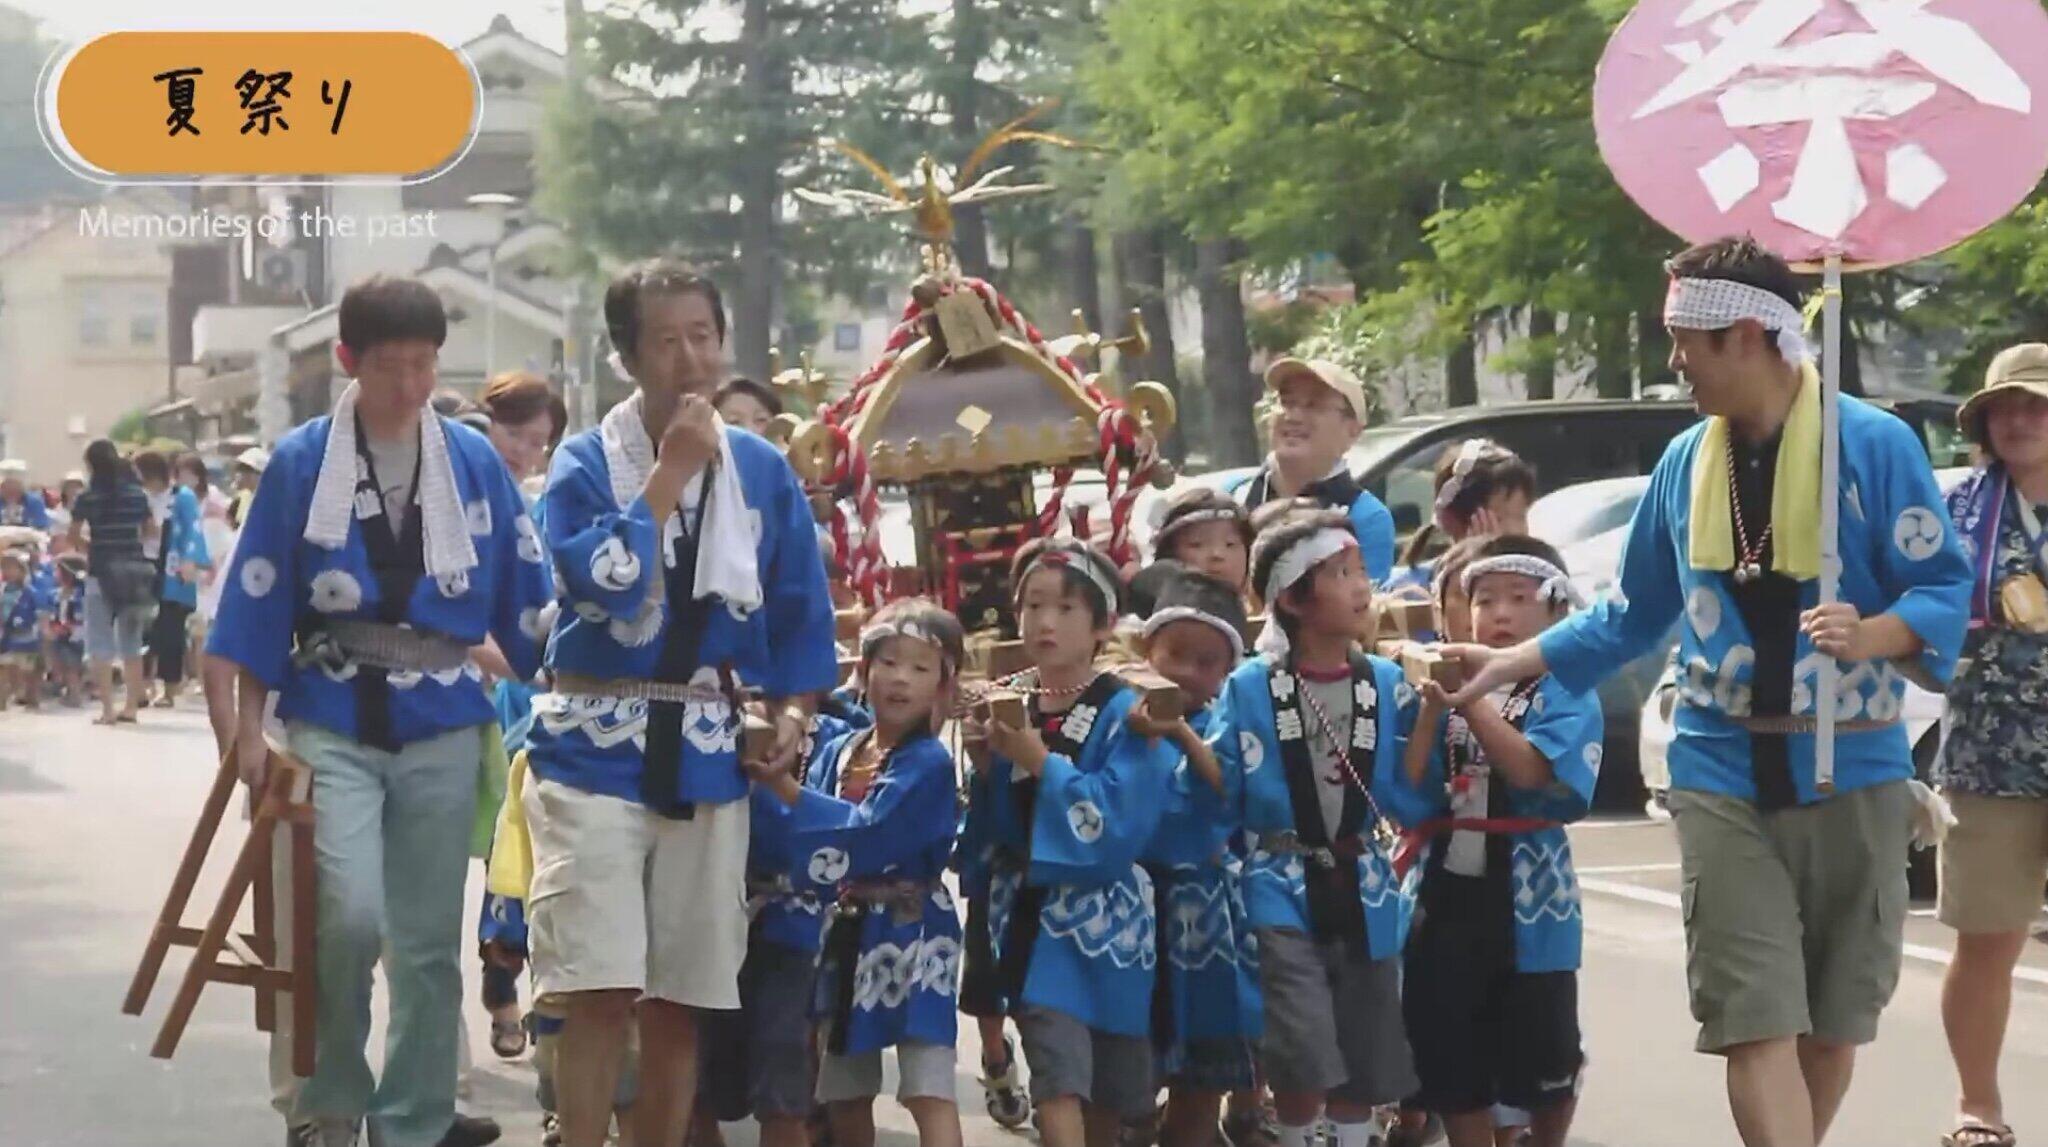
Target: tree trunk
[760, 198]
[1143, 256]
[1612, 376]
[1542, 377]
[963, 108]
[1653, 350]
[1084, 283]
[1226, 354]
[1461, 371]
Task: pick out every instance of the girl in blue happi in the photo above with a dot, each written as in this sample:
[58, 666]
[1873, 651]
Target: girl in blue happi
[1205, 998]
[1072, 799]
[1491, 991]
[24, 609]
[1310, 741]
[869, 835]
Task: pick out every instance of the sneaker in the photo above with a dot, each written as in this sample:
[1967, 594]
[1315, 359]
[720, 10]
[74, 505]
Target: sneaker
[471, 1131]
[1252, 1127]
[1008, 1104]
[550, 1131]
[323, 1133]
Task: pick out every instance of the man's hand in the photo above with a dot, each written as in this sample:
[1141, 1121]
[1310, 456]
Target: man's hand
[1838, 631]
[1487, 669]
[777, 779]
[691, 440]
[1435, 703]
[1023, 748]
[252, 754]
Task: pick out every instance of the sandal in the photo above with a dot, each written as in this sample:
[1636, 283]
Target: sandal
[508, 1038]
[1977, 1133]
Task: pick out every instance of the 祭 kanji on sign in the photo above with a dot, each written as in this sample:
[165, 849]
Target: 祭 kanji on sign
[1877, 130]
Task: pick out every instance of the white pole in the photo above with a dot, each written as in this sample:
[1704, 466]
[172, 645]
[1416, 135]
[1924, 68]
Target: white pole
[1830, 505]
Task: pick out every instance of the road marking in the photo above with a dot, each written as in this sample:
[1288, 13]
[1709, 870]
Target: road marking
[1619, 869]
[1662, 899]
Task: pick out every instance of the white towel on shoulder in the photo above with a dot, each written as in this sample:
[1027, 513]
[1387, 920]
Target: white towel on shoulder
[726, 566]
[443, 524]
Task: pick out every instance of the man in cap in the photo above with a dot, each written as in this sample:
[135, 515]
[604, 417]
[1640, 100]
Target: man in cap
[249, 465]
[20, 506]
[1319, 412]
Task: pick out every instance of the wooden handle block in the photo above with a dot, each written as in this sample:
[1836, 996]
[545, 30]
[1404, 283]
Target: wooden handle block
[1407, 617]
[757, 737]
[1429, 665]
[1161, 697]
[1001, 706]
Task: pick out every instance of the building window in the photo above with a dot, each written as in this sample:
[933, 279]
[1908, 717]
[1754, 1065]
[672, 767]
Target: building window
[846, 337]
[142, 330]
[94, 330]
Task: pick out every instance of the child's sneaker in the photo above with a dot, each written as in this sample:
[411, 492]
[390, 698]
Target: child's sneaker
[1251, 1127]
[1008, 1104]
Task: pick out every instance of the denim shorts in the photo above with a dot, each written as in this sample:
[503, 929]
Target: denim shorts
[112, 634]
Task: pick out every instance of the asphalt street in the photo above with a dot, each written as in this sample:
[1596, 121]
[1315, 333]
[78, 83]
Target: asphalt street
[92, 821]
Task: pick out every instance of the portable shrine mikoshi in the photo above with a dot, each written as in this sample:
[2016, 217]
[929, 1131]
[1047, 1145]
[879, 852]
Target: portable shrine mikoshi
[980, 420]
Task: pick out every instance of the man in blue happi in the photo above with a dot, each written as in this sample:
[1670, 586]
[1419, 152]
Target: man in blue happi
[383, 544]
[19, 505]
[1794, 894]
[1319, 412]
[687, 562]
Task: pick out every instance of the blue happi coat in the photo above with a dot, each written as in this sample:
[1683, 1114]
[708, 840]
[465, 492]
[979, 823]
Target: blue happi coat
[1260, 730]
[30, 511]
[1899, 556]
[24, 607]
[282, 584]
[609, 551]
[1071, 843]
[187, 544]
[1210, 967]
[890, 970]
[1543, 888]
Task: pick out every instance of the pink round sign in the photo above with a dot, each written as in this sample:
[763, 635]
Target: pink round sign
[1879, 130]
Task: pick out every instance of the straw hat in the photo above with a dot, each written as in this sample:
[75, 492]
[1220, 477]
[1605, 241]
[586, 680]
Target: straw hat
[2023, 367]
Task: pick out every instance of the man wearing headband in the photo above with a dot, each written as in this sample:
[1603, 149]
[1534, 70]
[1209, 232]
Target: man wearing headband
[688, 568]
[1310, 741]
[1319, 413]
[1782, 879]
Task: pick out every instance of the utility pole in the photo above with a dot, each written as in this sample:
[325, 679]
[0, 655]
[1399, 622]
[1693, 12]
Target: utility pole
[579, 360]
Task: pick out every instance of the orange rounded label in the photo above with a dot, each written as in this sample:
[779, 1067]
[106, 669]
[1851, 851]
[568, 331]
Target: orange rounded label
[311, 104]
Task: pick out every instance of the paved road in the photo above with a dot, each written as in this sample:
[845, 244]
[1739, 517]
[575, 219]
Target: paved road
[91, 821]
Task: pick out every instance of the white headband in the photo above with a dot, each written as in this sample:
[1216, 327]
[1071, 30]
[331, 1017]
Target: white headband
[1079, 561]
[1717, 304]
[1160, 619]
[1311, 551]
[1196, 518]
[1469, 455]
[875, 634]
[1557, 589]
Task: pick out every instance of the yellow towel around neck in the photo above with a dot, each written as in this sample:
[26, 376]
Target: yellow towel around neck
[511, 869]
[1795, 494]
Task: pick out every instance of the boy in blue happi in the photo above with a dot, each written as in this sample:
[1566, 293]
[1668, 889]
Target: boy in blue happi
[1795, 890]
[1205, 996]
[1310, 741]
[1318, 414]
[1491, 991]
[687, 561]
[25, 609]
[19, 505]
[383, 543]
[182, 556]
[1072, 800]
[66, 629]
[1482, 489]
[869, 834]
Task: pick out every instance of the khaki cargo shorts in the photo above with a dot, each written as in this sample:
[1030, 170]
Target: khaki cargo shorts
[1795, 918]
[1994, 863]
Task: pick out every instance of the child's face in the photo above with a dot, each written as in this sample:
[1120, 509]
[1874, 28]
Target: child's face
[1338, 597]
[1214, 548]
[905, 678]
[1454, 612]
[1057, 623]
[13, 571]
[1192, 655]
[745, 412]
[1508, 609]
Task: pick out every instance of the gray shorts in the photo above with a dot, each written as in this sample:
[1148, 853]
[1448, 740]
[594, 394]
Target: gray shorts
[1333, 1020]
[1067, 1057]
[113, 634]
[757, 1061]
[923, 1071]
[1795, 918]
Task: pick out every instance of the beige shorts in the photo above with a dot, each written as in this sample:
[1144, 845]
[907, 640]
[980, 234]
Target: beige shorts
[1795, 918]
[625, 899]
[1994, 863]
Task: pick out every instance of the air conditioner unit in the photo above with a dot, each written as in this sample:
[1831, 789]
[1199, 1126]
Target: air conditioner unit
[283, 271]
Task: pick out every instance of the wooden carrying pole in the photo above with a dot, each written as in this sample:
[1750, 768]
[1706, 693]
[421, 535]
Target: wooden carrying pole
[1827, 679]
[221, 955]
